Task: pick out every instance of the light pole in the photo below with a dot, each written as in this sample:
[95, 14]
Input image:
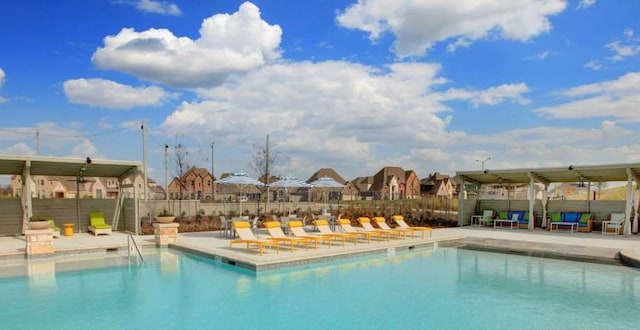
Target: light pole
[483, 161]
[213, 189]
[166, 182]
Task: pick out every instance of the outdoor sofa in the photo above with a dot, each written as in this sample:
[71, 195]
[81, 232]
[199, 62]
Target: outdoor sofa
[584, 219]
[522, 217]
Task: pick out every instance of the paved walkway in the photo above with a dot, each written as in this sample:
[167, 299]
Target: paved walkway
[588, 245]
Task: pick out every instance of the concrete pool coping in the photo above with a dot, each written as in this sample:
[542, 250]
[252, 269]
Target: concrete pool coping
[591, 247]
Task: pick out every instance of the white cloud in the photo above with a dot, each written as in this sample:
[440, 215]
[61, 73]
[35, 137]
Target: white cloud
[627, 47]
[490, 96]
[593, 64]
[417, 25]
[2, 75]
[228, 44]
[584, 4]
[158, 7]
[109, 94]
[615, 98]
[542, 55]
[85, 149]
[330, 113]
[460, 42]
[19, 148]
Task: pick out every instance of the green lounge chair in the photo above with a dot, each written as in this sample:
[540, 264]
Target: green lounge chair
[98, 225]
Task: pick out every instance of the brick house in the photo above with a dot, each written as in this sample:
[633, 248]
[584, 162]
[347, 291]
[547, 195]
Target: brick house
[392, 183]
[195, 184]
[438, 185]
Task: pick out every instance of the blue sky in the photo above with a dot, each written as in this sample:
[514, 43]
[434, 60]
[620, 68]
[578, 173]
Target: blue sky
[431, 85]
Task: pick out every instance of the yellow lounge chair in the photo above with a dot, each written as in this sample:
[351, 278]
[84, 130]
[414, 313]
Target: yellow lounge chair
[296, 229]
[365, 222]
[382, 223]
[275, 230]
[98, 225]
[345, 224]
[243, 228]
[323, 228]
[399, 219]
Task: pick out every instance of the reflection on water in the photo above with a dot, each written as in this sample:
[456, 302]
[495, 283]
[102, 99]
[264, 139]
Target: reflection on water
[501, 273]
[169, 263]
[42, 274]
[243, 285]
[321, 271]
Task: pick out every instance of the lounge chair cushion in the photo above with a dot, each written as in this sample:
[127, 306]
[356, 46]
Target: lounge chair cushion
[584, 218]
[502, 215]
[97, 224]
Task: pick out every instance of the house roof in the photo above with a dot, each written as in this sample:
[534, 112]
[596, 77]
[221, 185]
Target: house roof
[570, 173]
[382, 178]
[362, 180]
[327, 172]
[63, 166]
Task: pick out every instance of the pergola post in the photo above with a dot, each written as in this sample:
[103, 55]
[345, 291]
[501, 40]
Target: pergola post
[532, 200]
[627, 210]
[634, 224]
[25, 198]
[461, 194]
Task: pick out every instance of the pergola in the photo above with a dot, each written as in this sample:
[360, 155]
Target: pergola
[570, 173]
[26, 166]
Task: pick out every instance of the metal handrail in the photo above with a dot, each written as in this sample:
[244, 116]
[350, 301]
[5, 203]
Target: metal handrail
[129, 240]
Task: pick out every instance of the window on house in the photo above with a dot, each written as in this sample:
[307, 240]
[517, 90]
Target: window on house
[98, 193]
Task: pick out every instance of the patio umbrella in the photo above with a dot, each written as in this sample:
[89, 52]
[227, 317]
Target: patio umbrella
[290, 182]
[327, 183]
[240, 180]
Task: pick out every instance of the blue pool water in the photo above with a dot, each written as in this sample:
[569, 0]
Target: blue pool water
[442, 288]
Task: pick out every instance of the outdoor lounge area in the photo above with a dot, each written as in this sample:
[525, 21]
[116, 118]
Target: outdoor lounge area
[538, 210]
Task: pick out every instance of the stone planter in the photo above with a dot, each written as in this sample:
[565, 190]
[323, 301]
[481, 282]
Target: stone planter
[165, 219]
[38, 224]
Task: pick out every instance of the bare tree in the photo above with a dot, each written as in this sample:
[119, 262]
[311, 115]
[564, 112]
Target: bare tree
[264, 159]
[181, 164]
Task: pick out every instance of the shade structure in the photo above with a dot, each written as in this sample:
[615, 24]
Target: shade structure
[240, 180]
[327, 183]
[289, 182]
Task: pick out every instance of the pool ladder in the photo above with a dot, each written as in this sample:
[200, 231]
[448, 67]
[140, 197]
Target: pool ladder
[131, 247]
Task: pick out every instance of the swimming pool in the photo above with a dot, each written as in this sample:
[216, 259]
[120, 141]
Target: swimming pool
[444, 288]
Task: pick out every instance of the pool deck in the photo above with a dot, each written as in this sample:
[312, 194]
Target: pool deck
[593, 247]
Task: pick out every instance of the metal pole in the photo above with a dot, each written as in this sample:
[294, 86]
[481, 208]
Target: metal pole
[213, 189]
[166, 179]
[483, 161]
[144, 164]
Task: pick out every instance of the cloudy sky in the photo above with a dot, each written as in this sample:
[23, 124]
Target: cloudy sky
[429, 85]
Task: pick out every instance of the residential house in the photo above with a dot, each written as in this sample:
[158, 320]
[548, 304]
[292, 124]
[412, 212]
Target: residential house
[363, 184]
[196, 183]
[86, 187]
[393, 182]
[438, 185]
